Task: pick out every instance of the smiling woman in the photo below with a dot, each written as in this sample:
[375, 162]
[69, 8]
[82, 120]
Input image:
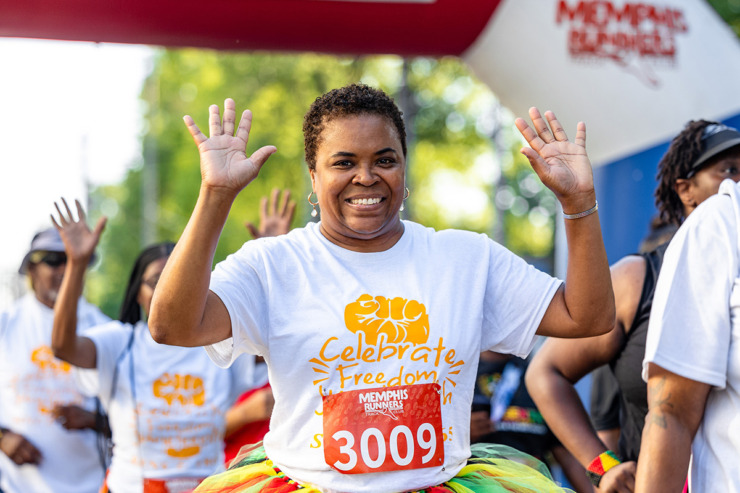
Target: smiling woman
[363, 301]
[360, 183]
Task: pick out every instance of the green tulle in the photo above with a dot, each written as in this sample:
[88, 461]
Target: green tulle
[491, 469]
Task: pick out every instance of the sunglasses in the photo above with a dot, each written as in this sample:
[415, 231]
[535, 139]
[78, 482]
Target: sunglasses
[52, 259]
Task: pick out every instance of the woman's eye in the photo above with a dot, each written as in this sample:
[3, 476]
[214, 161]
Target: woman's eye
[386, 161]
[343, 164]
[732, 170]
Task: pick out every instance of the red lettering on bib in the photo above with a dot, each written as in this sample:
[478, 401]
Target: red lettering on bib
[383, 429]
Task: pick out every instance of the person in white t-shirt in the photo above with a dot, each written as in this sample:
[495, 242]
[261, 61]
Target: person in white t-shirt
[372, 326]
[36, 388]
[692, 358]
[166, 404]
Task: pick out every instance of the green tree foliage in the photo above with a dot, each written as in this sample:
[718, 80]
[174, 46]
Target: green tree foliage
[729, 10]
[463, 151]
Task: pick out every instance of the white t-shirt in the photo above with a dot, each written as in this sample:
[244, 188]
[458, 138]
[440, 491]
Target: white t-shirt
[329, 320]
[32, 382]
[177, 424]
[694, 330]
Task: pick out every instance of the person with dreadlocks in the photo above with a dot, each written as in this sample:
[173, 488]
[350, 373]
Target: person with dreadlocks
[166, 404]
[691, 353]
[690, 172]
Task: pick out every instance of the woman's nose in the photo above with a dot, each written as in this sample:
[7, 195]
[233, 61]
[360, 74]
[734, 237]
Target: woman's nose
[365, 175]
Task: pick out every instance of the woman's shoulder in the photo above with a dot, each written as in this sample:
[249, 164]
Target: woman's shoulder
[446, 235]
[296, 239]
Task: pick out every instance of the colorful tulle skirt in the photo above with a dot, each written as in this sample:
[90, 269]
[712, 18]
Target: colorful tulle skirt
[491, 469]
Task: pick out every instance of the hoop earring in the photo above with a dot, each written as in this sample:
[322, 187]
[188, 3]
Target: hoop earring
[314, 212]
[406, 195]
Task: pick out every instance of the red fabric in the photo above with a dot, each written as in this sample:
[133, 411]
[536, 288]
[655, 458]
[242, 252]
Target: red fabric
[251, 433]
[439, 27]
[279, 485]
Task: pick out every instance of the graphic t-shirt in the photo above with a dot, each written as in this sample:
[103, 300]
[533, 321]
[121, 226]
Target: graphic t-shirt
[398, 331]
[695, 327]
[165, 404]
[32, 382]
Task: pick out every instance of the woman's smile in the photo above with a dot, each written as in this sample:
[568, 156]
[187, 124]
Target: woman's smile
[359, 180]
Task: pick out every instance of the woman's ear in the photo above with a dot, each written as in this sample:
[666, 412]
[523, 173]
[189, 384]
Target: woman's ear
[685, 190]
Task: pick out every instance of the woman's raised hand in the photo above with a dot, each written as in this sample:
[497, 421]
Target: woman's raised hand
[276, 217]
[563, 166]
[224, 164]
[79, 240]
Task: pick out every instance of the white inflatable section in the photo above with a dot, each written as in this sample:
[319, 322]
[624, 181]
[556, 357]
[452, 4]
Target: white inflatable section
[679, 61]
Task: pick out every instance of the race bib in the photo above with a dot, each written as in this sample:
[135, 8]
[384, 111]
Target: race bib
[383, 429]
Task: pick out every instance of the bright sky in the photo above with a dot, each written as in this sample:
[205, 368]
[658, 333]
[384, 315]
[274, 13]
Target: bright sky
[68, 110]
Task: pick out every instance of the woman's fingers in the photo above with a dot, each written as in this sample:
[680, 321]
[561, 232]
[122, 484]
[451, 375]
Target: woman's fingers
[69, 211]
[245, 126]
[100, 226]
[229, 116]
[540, 125]
[534, 141]
[198, 136]
[284, 202]
[62, 221]
[581, 134]
[214, 121]
[557, 129]
[80, 211]
[260, 155]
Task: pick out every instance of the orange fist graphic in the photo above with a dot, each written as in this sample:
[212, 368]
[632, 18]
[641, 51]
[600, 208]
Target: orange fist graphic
[399, 319]
[43, 357]
[186, 389]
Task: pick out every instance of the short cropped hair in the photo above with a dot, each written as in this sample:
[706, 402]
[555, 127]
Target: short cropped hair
[352, 100]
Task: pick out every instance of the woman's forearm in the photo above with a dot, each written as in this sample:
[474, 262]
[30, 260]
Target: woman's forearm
[65, 343]
[675, 411]
[588, 293]
[183, 311]
[563, 411]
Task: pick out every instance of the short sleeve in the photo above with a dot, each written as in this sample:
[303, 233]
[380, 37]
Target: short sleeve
[690, 330]
[238, 282]
[517, 296]
[110, 340]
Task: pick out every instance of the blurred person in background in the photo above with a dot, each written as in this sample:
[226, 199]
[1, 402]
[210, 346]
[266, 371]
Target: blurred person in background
[48, 437]
[689, 173]
[692, 361]
[503, 412]
[166, 404]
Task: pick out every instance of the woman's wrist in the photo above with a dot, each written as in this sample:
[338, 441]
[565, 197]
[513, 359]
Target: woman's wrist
[577, 204]
[600, 465]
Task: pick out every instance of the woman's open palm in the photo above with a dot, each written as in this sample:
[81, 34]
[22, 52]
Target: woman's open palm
[563, 166]
[79, 240]
[224, 164]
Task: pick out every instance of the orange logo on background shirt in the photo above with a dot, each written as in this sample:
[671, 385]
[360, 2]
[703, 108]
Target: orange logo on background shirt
[44, 358]
[183, 453]
[400, 320]
[187, 389]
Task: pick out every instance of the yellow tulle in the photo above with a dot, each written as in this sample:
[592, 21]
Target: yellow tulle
[491, 469]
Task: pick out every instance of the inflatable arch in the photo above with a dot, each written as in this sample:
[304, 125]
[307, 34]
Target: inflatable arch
[634, 71]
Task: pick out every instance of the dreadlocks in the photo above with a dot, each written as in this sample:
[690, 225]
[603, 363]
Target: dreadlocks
[684, 150]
